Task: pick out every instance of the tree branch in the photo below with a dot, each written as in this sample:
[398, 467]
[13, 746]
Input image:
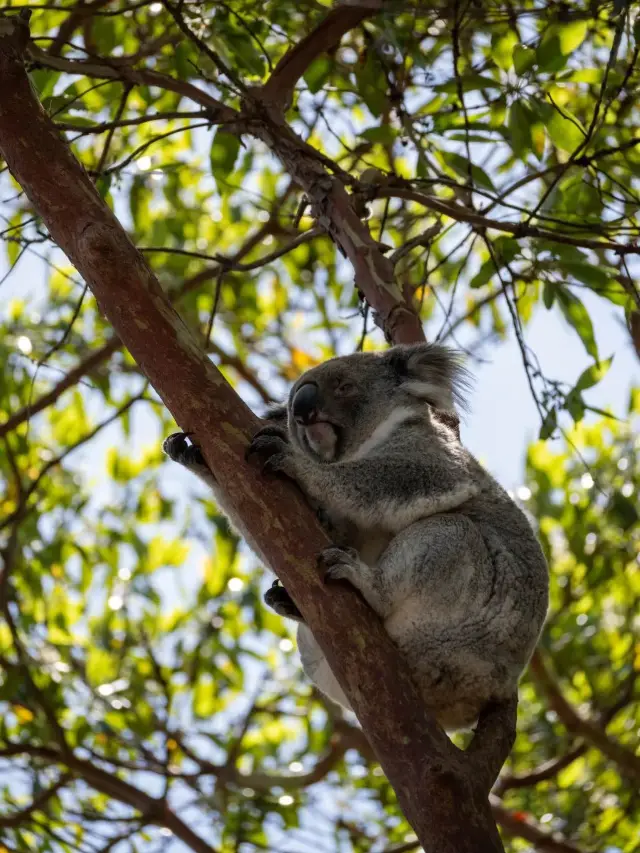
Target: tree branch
[442, 796]
[100, 356]
[545, 771]
[153, 810]
[216, 111]
[518, 229]
[334, 210]
[72, 378]
[278, 89]
[627, 762]
[493, 740]
[39, 803]
[519, 827]
[424, 767]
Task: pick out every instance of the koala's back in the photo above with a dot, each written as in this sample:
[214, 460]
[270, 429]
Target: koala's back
[463, 622]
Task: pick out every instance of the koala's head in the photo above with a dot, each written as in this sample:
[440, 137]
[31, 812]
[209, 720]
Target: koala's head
[335, 407]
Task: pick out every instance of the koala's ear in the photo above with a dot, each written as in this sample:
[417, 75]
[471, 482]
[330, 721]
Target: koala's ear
[277, 412]
[431, 372]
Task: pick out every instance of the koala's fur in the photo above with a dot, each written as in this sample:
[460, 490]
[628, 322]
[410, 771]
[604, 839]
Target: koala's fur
[433, 543]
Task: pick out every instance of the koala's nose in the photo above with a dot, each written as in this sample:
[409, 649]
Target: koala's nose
[305, 402]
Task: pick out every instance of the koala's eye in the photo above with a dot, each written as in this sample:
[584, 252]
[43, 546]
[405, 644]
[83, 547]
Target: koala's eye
[345, 388]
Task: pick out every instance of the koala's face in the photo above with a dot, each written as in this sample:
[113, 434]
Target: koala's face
[335, 407]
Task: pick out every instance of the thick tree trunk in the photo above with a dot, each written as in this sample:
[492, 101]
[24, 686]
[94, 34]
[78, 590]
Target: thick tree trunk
[443, 792]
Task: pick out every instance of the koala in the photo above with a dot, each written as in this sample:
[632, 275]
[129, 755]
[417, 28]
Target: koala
[430, 540]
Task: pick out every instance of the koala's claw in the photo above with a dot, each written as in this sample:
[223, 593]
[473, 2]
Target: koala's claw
[272, 450]
[177, 449]
[273, 429]
[278, 599]
[338, 563]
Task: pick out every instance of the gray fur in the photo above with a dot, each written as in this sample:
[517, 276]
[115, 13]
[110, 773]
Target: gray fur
[433, 543]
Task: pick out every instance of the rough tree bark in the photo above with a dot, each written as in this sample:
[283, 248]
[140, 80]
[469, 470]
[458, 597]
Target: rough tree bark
[443, 791]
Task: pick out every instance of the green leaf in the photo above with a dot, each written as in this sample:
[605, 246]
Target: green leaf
[592, 375]
[548, 294]
[519, 128]
[44, 81]
[204, 697]
[624, 510]
[484, 274]
[317, 73]
[502, 44]
[244, 50]
[601, 279]
[223, 155]
[575, 406]
[103, 184]
[577, 316]
[468, 83]
[101, 667]
[565, 131]
[372, 85]
[505, 249]
[549, 425]
[572, 35]
[460, 165]
[524, 59]
[384, 134]
[549, 56]
[594, 276]
[185, 60]
[559, 42]
[13, 245]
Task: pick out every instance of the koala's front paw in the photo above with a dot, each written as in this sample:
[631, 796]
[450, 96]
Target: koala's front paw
[273, 429]
[339, 564]
[278, 599]
[177, 449]
[273, 452]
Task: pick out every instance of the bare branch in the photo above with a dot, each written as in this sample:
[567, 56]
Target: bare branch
[518, 229]
[545, 771]
[152, 810]
[520, 827]
[492, 742]
[216, 111]
[231, 265]
[105, 126]
[627, 762]
[38, 804]
[278, 89]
